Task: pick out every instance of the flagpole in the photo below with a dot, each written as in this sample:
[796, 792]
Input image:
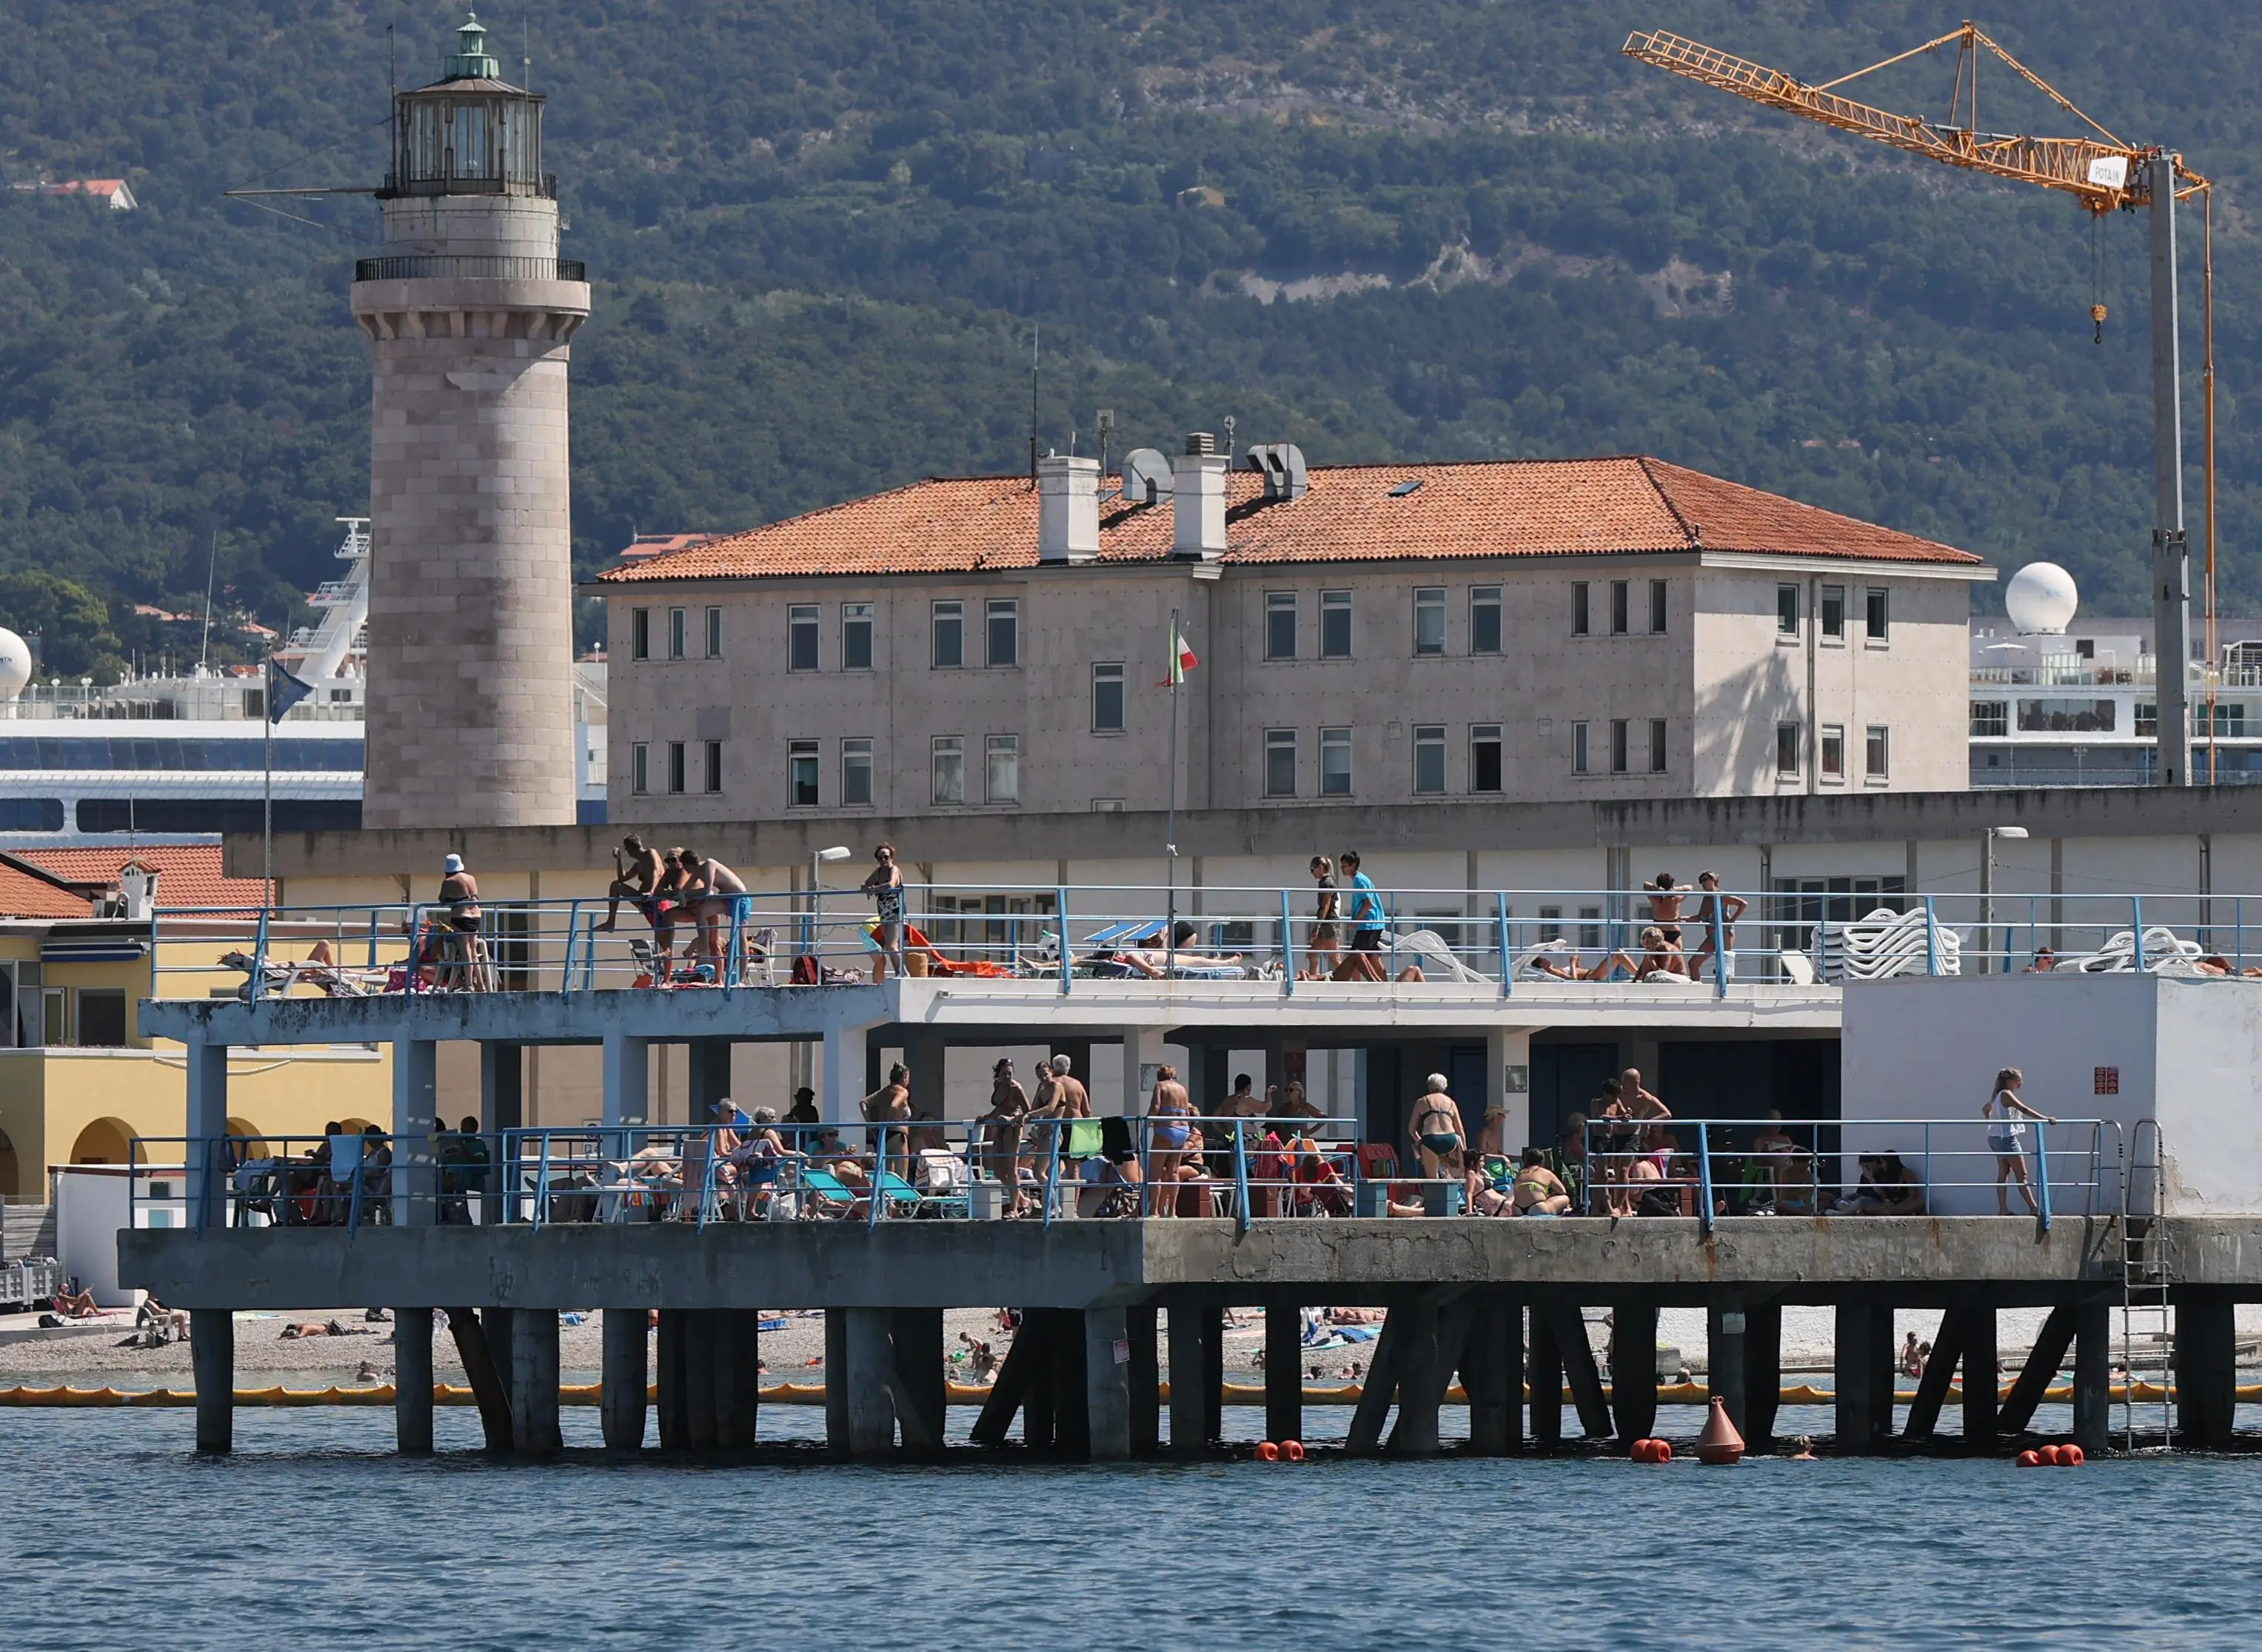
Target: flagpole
[1170, 826]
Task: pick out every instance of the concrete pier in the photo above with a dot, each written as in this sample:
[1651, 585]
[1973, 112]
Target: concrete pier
[533, 1384]
[211, 1352]
[624, 1378]
[411, 1379]
[1633, 1368]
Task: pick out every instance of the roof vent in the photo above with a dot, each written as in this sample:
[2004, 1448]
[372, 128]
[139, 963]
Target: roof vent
[1282, 464]
[1146, 476]
[1411, 485]
[1200, 444]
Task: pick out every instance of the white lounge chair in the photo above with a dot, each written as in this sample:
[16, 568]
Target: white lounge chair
[1437, 959]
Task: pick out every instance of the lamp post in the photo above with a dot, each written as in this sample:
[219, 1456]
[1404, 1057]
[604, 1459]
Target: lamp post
[838, 852]
[1987, 892]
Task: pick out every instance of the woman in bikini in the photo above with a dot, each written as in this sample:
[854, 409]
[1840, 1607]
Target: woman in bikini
[1167, 1132]
[1538, 1191]
[1437, 1131]
[1326, 944]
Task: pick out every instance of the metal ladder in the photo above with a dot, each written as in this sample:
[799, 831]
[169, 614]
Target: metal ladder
[2144, 1280]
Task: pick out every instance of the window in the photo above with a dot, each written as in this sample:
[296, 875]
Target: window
[1108, 698]
[102, 1017]
[1279, 763]
[714, 766]
[856, 773]
[1657, 745]
[1877, 752]
[1430, 620]
[1580, 627]
[1551, 923]
[1786, 750]
[1280, 624]
[800, 635]
[1621, 600]
[1579, 748]
[1990, 718]
[1428, 758]
[1335, 763]
[1108, 805]
[856, 636]
[1878, 612]
[1484, 619]
[1786, 611]
[950, 636]
[801, 771]
[1590, 929]
[714, 639]
[1334, 624]
[1834, 613]
[2147, 718]
[640, 768]
[675, 774]
[1004, 637]
[639, 633]
[677, 627]
[949, 768]
[1619, 730]
[1002, 767]
[2074, 716]
[1484, 757]
[1833, 752]
[1657, 608]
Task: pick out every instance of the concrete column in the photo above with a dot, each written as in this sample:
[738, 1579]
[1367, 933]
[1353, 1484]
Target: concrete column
[412, 1380]
[502, 1107]
[534, 1381]
[626, 1373]
[1071, 1384]
[1864, 1376]
[211, 1354]
[871, 1359]
[2093, 1375]
[835, 1380]
[926, 1054]
[1144, 1377]
[1420, 1384]
[669, 1378]
[1728, 1373]
[1546, 1380]
[1213, 1374]
[710, 1075]
[1763, 1372]
[415, 1099]
[207, 1118]
[627, 1078]
[1283, 1371]
[841, 1095]
[922, 1394]
[1492, 1372]
[699, 1351]
[1107, 1382]
[738, 1379]
[1141, 1047]
[1982, 1392]
[1508, 1058]
[498, 1328]
[2206, 1373]
[1633, 1369]
[1189, 1412]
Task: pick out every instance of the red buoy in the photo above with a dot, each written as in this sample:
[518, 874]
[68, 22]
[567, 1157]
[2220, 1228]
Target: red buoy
[1720, 1444]
[2071, 1456]
[2029, 1460]
[1292, 1450]
[1661, 1451]
[2051, 1457]
[1267, 1452]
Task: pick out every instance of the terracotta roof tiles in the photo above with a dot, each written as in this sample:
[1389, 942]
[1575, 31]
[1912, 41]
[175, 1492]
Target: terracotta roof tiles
[1496, 508]
[188, 874]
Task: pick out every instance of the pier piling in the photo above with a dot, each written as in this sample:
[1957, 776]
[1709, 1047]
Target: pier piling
[1546, 1380]
[1633, 1368]
[1933, 1382]
[2040, 1371]
[534, 1383]
[1422, 1376]
[1492, 1371]
[2093, 1375]
[626, 1371]
[1190, 1330]
[871, 1363]
[1727, 1375]
[836, 1382]
[1379, 1388]
[1071, 1368]
[2207, 1374]
[1145, 1376]
[1982, 1378]
[1107, 1382]
[1283, 1371]
[699, 1397]
[412, 1380]
[488, 1388]
[1864, 1376]
[737, 1378]
[211, 1352]
[1762, 1372]
[1581, 1375]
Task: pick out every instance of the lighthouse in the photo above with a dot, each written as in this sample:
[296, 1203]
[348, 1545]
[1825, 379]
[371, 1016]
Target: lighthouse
[470, 316]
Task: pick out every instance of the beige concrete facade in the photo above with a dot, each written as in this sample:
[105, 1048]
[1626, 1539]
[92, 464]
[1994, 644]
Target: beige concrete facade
[470, 702]
[1379, 719]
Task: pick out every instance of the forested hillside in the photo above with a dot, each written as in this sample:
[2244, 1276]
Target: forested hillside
[824, 234]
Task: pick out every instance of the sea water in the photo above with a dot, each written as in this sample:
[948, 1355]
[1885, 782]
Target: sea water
[113, 1533]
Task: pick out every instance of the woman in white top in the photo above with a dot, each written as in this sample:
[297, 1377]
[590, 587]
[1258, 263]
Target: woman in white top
[2006, 1136]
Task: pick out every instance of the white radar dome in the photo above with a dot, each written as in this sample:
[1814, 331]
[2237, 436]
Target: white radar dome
[2041, 597]
[15, 664]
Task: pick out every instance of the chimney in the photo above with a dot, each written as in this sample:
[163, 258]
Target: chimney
[1067, 509]
[1198, 489]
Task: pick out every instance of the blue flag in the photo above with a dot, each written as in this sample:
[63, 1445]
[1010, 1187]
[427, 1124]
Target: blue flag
[284, 691]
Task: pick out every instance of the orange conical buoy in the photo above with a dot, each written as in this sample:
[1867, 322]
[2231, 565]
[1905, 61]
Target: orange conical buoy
[1720, 1443]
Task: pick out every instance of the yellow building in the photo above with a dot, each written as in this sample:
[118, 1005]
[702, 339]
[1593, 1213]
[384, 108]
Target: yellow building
[79, 950]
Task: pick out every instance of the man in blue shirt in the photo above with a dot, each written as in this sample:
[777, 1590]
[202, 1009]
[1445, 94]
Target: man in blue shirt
[1366, 923]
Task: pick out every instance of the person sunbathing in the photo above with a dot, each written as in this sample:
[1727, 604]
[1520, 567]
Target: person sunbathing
[75, 1305]
[1605, 971]
[1155, 963]
[1660, 956]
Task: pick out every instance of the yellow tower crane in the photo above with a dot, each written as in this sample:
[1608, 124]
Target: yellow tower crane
[2105, 174]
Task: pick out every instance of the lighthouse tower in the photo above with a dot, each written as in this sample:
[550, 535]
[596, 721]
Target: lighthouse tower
[470, 314]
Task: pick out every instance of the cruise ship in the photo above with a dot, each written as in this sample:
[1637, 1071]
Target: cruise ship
[2059, 701]
[181, 758]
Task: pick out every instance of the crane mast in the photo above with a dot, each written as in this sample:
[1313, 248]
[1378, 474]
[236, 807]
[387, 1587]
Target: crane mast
[2103, 174]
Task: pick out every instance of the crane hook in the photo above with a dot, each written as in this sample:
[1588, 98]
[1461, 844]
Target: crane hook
[2097, 315]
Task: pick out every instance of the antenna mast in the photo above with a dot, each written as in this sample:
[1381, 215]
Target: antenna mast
[1036, 332]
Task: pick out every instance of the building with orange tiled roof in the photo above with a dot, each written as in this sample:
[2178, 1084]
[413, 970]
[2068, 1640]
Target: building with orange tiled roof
[1534, 630]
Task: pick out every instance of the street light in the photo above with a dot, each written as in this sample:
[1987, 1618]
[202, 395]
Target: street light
[838, 852]
[1987, 892]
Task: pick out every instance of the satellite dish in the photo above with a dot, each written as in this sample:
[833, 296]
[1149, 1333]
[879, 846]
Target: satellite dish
[14, 665]
[2041, 599]
[1146, 476]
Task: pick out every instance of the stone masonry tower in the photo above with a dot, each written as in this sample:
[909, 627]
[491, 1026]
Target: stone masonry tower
[469, 312]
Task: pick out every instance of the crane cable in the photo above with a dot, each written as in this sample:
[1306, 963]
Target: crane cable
[2097, 277]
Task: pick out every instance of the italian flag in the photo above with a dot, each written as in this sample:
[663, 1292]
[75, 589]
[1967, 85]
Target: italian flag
[1182, 658]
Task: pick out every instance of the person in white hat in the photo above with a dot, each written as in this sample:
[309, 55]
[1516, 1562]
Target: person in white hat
[459, 893]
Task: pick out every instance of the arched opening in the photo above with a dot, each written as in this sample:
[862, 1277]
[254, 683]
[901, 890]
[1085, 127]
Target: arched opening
[249, 1142]
[8, 1172]
[108, 1141]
